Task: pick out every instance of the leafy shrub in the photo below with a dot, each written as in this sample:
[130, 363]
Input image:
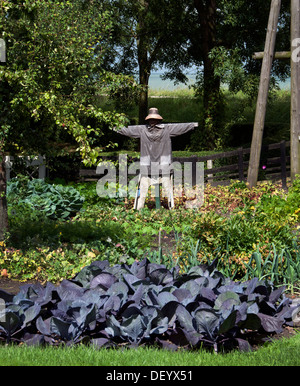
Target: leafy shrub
[55, 201]
[89, 192]
[145, 304]
[282, 207]
[236, 237]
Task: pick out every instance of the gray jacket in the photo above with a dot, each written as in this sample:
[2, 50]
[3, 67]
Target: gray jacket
[156, 146]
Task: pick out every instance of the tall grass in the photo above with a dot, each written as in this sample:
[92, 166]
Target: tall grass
[237, 117]
[278, 108]
[176, 93]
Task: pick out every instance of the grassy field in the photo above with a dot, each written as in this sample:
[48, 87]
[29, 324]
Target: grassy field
[236, 119]
[237, 116]
[237, 106]
[285, 352]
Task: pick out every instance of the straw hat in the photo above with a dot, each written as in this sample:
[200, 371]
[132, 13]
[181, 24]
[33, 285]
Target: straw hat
[153, 114]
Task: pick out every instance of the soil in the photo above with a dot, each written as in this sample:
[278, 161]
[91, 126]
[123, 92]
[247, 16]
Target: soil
[13, 286]
[166, 241]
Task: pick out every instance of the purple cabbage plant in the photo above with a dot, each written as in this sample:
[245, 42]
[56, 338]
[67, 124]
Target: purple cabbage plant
[146, 304]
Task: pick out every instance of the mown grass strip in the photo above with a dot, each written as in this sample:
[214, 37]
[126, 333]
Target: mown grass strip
[284, 352]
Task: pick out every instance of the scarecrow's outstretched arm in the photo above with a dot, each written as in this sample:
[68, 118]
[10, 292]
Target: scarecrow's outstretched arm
[180, 128]
[131, 131]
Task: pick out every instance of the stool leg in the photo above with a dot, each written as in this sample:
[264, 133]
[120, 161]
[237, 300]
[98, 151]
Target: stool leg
[171, 199]
[157, 196]
[143, 190]
[168, 190]
[137, 195]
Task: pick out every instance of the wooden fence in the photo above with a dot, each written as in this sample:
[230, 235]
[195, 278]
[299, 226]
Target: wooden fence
[35, 166]
[222, 168]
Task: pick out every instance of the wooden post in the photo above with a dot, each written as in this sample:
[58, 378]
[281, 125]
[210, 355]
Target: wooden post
[277, 55]
[8, 167]
[295, 89]
[263, 93]
[210, 166]
[194, 171]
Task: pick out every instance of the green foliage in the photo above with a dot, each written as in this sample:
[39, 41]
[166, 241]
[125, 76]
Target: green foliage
[53, 71]
[55, 201]
[280, 268]
[281, 207]
[48, 250]
[237, 225]
[62, 55]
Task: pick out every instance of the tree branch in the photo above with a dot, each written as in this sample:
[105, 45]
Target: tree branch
[154, 53]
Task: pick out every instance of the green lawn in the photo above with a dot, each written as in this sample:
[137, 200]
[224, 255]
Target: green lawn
[285, 352]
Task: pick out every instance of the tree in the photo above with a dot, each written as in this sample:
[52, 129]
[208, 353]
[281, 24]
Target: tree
[147, 34]
[207, 14]
[54, 70]
[219, 37]
[227, 36]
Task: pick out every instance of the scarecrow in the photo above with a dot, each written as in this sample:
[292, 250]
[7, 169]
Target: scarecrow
[156, 154]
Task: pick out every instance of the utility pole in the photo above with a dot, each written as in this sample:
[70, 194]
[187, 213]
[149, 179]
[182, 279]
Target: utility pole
[263, 93]
[295, 88]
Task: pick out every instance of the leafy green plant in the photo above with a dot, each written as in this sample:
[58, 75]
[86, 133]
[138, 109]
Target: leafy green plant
[291, 273]
[280, 207]
[236, 237]
[281, 267]
[260, 268]
[55, 201]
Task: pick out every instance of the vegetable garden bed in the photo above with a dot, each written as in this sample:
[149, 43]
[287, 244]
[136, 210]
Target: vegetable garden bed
[146, 304]
[174, 279]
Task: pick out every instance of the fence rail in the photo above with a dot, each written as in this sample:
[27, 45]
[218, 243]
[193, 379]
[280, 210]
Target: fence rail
[35, 166]
[222, 168]
[233, 165]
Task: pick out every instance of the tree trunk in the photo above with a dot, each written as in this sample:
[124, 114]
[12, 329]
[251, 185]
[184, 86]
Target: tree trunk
[148, 53]
[3, 204]
[207, 13]
[144, 70]
[212, 103]
[143, 97]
